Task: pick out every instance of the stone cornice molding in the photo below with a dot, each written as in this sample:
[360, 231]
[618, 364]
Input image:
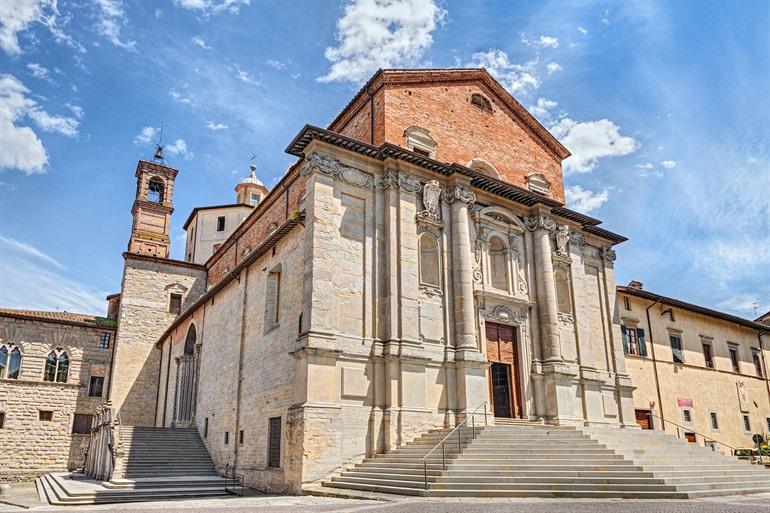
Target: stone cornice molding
[540, 222]
[324, 164]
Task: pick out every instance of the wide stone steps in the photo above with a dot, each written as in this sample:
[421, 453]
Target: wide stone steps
[514, 459]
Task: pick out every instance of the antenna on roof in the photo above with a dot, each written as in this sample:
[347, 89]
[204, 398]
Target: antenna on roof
[158, 157]
[754, 304]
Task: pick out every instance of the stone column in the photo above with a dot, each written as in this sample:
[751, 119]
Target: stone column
[460, 197]
[541, 225]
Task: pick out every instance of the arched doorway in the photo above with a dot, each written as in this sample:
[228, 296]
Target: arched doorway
[186, 380]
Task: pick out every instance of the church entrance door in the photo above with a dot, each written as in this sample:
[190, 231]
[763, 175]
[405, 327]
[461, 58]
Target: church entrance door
[504, 382]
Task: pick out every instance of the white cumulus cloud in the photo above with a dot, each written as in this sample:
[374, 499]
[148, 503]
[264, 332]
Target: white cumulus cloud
[375, 34]
[110, 20]
[17, 16]
[590, 141]
[215, 126]
[542, 108]
[179, 147]
[548, 42]
[198, 40]
[668, 164]
[38, 71]
[517, 78]
[149, 134]
[274, 63]
[583, 200]
[553, 67]
[211, 7]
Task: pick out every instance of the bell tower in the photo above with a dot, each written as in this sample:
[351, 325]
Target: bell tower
[152, 208]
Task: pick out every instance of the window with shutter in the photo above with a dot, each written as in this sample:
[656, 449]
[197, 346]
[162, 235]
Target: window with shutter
[714, 421]
[624, 331]
[676, 349]
[642, 343]
[274, 443]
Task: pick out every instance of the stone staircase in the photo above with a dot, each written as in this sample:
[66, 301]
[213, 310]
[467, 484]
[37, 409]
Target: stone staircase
[522, 459]
[159, 464]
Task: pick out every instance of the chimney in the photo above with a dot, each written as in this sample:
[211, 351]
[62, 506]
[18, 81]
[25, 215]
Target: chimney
[113, 306]
[633, 284]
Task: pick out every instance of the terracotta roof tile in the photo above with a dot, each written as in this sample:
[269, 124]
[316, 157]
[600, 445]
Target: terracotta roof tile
[61, 317]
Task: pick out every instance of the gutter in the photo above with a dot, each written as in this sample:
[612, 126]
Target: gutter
[655, 367]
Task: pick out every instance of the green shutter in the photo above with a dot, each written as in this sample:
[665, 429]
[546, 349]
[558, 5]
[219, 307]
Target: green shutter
[625, 339]
[642, 343]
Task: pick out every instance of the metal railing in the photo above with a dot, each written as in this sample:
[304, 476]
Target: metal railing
[690, 430]
[443, 441]
[233, 481]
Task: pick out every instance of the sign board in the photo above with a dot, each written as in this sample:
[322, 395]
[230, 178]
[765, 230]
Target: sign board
[683, 402]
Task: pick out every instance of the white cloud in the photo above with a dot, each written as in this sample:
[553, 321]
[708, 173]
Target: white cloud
[198, 40]
[216, 126]
[38, 71]
[110, 19]
[180, 97]
[553, 67]
[582, 30]
[548, 42]
[211, 7]
[590, 141]
[668, 164]
[743, 304]
[648, 169]
[275, 64]
[20, 147]
[517, 78]
[542, 108]
[243, 76]
[149, 134]
[31, 279]
[179, 147]
[584, 200]
[646, 165]
[76, 110]
[18, 16]
[375, 34]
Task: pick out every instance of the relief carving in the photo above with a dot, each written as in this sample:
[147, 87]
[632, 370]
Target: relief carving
[562, 239]
[431, 199]
[577, 238]
[540, 221]
[460, 193]
[504, 314]
[324, 164]
[609, 255]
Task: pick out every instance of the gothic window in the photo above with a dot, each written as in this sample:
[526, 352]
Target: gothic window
[429, 261]
[56, 367]
[498, 265]
[481, 101]
[563, 303]
[190, 339]
[420, 141]
[10, 363]
[155, 191]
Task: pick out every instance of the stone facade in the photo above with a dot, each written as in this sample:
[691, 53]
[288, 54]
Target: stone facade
[204, 235]
[703, 387]
[29, 443]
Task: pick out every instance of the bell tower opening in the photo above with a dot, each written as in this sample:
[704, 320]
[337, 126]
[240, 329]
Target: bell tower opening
[152, 209]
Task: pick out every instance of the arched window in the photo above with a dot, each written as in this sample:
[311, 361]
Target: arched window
[498, 264]
[563, 303]
[430, 263]
[539, 184]
[189, 341]
[56, 367]
[485, 167]
[481, 101]
[419, 140]
[10, 367]
[155, 191]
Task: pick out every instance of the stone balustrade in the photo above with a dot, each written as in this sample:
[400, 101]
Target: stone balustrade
[104, 455]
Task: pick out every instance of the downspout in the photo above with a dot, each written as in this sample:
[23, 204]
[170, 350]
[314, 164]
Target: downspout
[157, 391]
[655, 368]
[168, 372]
[236, 438]
[112, 360]
[764, 364]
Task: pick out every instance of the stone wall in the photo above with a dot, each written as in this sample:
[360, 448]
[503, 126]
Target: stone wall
[144, 316]
[30, 446]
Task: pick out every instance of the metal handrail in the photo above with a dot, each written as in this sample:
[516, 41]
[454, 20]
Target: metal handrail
[689, 430]
[459, 440]
[233, 480]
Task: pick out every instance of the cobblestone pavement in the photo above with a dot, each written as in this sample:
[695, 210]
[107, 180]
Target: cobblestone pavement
[285, 504]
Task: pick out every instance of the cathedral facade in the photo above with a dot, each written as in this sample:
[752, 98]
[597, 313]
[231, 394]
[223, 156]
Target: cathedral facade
[415, 266]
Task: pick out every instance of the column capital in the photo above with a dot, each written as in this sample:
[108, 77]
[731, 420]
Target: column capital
[396, 180]
[461, 193]
[539, 222]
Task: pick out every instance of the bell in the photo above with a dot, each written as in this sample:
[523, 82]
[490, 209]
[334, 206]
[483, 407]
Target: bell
[158, 153]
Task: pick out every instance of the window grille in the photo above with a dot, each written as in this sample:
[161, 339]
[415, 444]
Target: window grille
[274, 443]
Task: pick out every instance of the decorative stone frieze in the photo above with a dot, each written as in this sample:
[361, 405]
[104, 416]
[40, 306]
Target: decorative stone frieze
[539, 221]
[319, 163]
[576, 238]
[461, 193]
[609, 255]
[399, 181]
[562, 240]
[565, 319]
[430, 291]
[504, 314]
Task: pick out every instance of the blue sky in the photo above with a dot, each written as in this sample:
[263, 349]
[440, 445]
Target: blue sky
[665, 106]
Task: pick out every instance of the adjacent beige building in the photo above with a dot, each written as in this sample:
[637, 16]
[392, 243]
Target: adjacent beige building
[699, 374]
[55, 369]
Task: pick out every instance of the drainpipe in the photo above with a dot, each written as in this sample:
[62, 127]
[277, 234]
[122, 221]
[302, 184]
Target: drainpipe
[764, 364]
[655, 367]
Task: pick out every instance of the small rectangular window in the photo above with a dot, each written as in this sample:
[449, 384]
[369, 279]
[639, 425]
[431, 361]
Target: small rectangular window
[420, 151]
[676, 349]
[746, 424]
[254, 200]
[81, 424]
[734, 359]
[175, 304]
[714, 421]
[45, 416]
[221, 223]
[104, 340]
[205, 427]
[274, 443]
[2, 420]
[757, 363]
[708, 355]
[227, 437]
[96, 387]
[626, 303]
[273, 299]
[687, 416]
[240, 437]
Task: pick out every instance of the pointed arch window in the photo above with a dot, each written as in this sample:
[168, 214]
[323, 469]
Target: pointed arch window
[498, 264]
[56, 367]
[155, 190]
[189, 341]
[10, 363]
[430, 262]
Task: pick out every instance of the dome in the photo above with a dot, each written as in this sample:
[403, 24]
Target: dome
[253, 177]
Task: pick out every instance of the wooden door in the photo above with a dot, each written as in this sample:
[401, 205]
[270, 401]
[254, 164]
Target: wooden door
[643, 418]
[690, 437]
[504, 379]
